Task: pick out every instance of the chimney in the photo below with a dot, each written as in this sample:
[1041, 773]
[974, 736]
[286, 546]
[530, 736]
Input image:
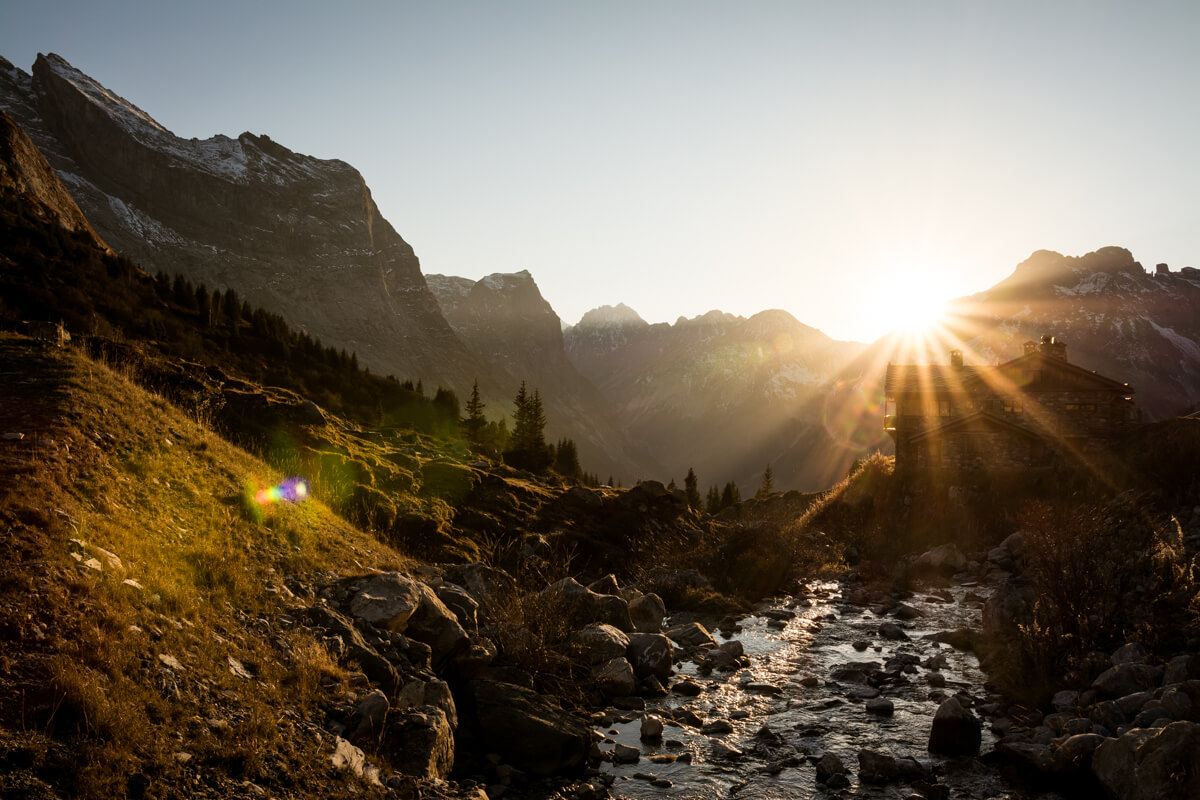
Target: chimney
[1053, 348]
[1030, 347]
[956, 359]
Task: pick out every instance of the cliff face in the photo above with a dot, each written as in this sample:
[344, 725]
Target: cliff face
[296, 234]
[25, 173]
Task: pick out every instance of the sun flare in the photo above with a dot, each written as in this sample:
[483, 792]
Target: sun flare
[913, 302]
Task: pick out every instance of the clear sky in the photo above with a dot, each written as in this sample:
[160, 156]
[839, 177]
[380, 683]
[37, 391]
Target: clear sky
[825, 158]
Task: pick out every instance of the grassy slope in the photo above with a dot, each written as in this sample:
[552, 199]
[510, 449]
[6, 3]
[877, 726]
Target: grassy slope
[88, 703]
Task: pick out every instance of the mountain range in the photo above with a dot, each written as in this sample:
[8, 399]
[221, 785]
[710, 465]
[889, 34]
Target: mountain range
[722, 394]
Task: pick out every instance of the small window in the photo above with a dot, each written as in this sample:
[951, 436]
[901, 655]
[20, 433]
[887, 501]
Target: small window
[943, 408]
[1012, 406]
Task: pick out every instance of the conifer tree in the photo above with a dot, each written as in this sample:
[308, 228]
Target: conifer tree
[692, 489]
[566, 460]
[730, 496]
[527, 445]
[712, 502]
[475, 423]
[768, 484]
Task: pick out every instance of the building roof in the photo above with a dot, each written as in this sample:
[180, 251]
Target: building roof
[947, 378]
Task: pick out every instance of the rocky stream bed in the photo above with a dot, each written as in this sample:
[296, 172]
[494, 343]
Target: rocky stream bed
[829, 672]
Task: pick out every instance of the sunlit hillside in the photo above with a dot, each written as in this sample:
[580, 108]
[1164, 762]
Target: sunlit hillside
[147, 594]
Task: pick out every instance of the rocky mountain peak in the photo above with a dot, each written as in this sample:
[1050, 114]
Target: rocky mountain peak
[617, 316]
[25, 172]
[298, 235]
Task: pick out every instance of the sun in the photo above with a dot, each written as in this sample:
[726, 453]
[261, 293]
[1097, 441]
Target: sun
[912, 300]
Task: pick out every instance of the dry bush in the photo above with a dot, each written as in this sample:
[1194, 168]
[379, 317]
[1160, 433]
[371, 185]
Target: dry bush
[1100, 576]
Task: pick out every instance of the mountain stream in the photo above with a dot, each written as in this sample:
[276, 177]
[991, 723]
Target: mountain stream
[804, 695]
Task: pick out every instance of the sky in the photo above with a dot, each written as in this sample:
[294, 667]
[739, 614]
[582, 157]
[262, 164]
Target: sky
[843, 161]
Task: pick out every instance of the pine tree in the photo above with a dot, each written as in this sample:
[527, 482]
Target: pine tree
[671, 485]
[692, 489]
[768, 484]
[566, 460]
[730, 496]
[527, 446]
[712, 502]
[475, 423]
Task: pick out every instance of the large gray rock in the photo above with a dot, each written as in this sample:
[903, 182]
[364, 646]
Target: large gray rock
[647, 613]
[436, 693]
[581, 605]
[944, 559]
[615, 678]
[398, 603]
[691, 634]
[387, 600]
[526, 730]
[955, 730]
[598, 643]
[1131, 653]
[1151, 763]
[366, 725]
[458, 600]
[420, 742]
[651, 654]
[1127, 678]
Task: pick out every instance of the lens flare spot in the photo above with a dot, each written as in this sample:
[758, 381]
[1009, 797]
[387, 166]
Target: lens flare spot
[289, 490]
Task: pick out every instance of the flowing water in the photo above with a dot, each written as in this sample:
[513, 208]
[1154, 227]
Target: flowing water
[804, 718]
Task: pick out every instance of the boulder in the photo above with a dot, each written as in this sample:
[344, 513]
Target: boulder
[606, 585]
[881, 706]
[691, 634]
[387, 600]
[727, 655]
[1131, 653]
[1075, 754]
[651, 654]
[598, 643]
[1127, 678]
[420, 742]
[398, 603]
[647, 613]
[615, 678]
[828, 766]
[526, 730]
[434, 693]
[875, 767]
[367, 723]
[488, 586]
[348, 757]
[458, 600]
[581, 605]
[651, 728]
[349, 642]
[1180, 669]
[1151, 763]
[944, 559]
[955, 730]
[626, 754]
[892, 632]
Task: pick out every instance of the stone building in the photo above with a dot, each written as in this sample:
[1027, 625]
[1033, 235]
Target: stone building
[1034, 411]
